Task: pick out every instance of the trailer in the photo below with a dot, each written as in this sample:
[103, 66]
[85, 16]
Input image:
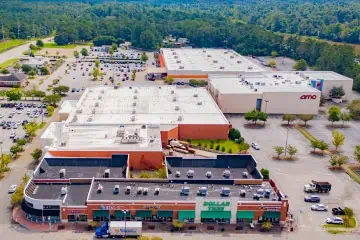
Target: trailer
[316, 186]
[119, 229]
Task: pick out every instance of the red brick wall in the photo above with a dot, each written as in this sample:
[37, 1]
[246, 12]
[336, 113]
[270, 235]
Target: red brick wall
[161, 60]
[203, 131]
[167, 135]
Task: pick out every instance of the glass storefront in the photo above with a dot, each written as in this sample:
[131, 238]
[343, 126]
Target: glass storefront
[215, 216]
[78, 218]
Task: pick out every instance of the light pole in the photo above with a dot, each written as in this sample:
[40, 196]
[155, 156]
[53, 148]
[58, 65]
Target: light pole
[266, 102]
[286, 143]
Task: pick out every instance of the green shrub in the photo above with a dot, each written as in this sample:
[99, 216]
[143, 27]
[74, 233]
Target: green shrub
[265, 173]
[217, 148]
[205, 145]
[230, 150]
[223, 149]
[145, 175]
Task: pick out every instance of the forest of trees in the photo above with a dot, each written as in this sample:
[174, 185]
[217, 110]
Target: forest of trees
[247, 26]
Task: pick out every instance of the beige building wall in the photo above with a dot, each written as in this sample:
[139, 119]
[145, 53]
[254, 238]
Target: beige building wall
[291, 103]
[237, 103]
[346, 84]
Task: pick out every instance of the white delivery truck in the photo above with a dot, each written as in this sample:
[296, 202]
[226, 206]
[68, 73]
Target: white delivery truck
[119, 229]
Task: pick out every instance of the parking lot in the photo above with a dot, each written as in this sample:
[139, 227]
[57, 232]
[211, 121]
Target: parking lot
[291, 176]
[14, 116]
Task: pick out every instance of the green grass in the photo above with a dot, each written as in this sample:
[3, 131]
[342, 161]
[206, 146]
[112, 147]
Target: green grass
[355, 176]
[41, 125]
[227, 144]
[334, 231]
[306, 134]
[8, 44]
[54, 45]
[9, 63]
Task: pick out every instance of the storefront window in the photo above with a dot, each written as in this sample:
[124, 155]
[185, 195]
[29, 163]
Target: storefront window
[215, 220]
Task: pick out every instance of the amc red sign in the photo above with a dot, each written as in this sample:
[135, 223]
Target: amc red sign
[308, 97]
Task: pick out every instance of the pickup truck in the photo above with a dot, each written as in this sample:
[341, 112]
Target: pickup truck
[319, 187]
[338, 211]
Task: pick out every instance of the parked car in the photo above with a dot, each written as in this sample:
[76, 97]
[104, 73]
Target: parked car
[12, 188]
[312, 198]
[319, 207]
[255, 146]
[338, 211]
[334, 220]
[12, 135]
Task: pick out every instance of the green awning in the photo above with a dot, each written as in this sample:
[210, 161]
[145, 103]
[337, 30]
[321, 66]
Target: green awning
[216, 214]
[143, 213]
[245, 215]
[186, 214]
[165, 213]
[101, 213]
[272, 214]
[121, 214]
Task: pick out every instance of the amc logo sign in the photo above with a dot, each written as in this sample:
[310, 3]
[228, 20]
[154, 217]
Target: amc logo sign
[308, 97]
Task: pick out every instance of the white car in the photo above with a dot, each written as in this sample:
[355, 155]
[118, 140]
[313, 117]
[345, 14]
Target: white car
[2, 115]
[12, 135]
[319, 207]
[255, 146]
[12, 188]
[334, 220]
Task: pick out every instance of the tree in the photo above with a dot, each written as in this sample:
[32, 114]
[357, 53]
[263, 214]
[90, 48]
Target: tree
[96, 73]
[234, 134]
[44, 71]
[5, 160]
[97, 63]
[272, 63]
[32, 47]
[18, 196]
[262, 116]
[36, 154]
[279, 150]
[252, 116]
[289, 118]
[39, 43]
[323, 146]
[84, 52]
[300, 65]
[31, 128]
[338, 160]
[21, 142]
[4, 71]
[357, 153]
[291, 150]
[334, 115]
[111, 52]
[14, 95]
[338, 139]
[17, 67]
[314, 144]
[337, 92]
[265, 172]
[3, 93]
[76, 54]
[32, 72]
[26, 68]
[349, 213]
[266, 226]
[345, 117]
[52, 99]
[61, 90]
[274, 54]
[50, 110]
[15, 149]
[169, 80]
[144, 57]
[354, 108]
[306, 117]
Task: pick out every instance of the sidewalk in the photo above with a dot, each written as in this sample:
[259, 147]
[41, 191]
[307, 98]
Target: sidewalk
[19, 216]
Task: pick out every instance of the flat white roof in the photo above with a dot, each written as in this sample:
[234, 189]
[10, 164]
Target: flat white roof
[325, 75]
[62, 136]
[161, 105]
[207, 60]
[261, 82]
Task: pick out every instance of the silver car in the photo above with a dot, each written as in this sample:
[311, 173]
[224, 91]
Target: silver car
[319, 207]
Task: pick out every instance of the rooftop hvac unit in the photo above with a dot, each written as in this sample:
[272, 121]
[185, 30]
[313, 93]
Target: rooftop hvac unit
[209, 55]
[276, 83]
[257, 83]
[215, 61]
[242, 193]
[62, 173]
[177, 174]
[199, 103]
[79, 110]
[145, 191]
[250, 67]
[172, 91]
[89, 119]
[238, 61]
[157, 191]
[226, 52]
[225, 191]
[231, 56]
[202, 191]
[116, 189]
[185, 190]
[226, 173]
[180, 118]
[208, 174]
[128, 190]
[116, 87]
[196, 95]
[204, 51]
[190, 173]
[99, 188]
[93, 111]
[107, 173]
[176, 57]
[99, 97]
[297, 82]
[135, 91]
[133, 112]
[64, 190]
[255, 90]
[245, 174]
[143, 126]
[173, 53]
[63, 144]
[132, 118]
[139, 190]
[174, 99]
[181, 67]
[222, 67]
[262, 84]
[102, 91]
[178, 61]
[134, 104]
[135, 97]
[177, 108]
